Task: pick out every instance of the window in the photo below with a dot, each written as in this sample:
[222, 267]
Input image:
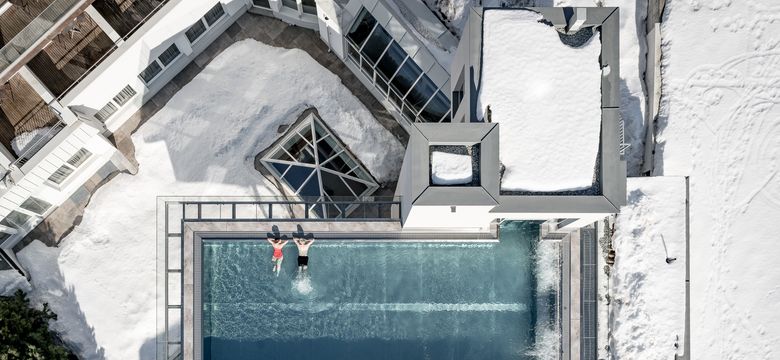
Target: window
[309, 6]
[61, 174]
[35, 205]
[150, 72]
[214, 14]
[292, 4]
[15, 219]
[170, 54]
[362, 28]
[262, 3]
[393, 72]
[195, 31]
[79, 157]
[65, 170]
[106, 112]
[125, 95]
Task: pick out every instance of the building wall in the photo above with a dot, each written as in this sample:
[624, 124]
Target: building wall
[122, 68]
[33, 177]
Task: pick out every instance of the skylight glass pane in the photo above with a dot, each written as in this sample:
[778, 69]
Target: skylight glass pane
[281, 168]
[358, 187]
[327, 149]
[406, 77]
[311, 189]
[333, 186]
[435, 109]
[392, 59]
[376, 44]
[297, 175]
[282, 155]
[300, 149]
[362, 28]
[420, 94]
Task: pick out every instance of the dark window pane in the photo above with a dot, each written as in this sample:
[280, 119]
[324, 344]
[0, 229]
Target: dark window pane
[361, 28]
[420, 94]
[297, 175]
[311, 189]
[292, 4]
[358, 187]
[195, 31]
[376, 44]
[333, 186]
[406, 77]
[300, 150]
[309, 6]
[281, 168]
[262, 3]
[171, 53]
[392, 59]
[325, 149]
[35, 205]
[214, 14]
[438, 106]
[15, 219]
[150, 72]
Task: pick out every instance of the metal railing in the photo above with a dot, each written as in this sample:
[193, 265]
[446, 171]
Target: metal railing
[39, 143]
[280, 208]
[111, 50]
[31, 33]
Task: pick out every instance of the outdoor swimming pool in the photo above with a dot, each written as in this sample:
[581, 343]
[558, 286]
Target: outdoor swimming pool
[365, 300]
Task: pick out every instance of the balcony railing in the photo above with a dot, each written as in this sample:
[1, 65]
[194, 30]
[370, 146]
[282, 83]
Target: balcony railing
[31, 33]
[33, 148]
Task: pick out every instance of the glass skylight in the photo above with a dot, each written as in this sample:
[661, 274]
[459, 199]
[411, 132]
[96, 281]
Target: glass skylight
[315, 165]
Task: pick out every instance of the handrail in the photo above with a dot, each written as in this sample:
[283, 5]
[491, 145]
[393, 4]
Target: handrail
[111, 50]
[31, 33]
[39, 143]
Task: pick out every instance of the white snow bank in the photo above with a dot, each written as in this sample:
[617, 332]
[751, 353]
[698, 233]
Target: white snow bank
[547, 98]
[719, 124]
[648, 293]
[26, 140]
[49, 286]
[450, 169]
[12, 280]
[202, 142]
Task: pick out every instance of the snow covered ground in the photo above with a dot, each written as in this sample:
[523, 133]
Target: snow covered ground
[450, 169]
[633, 49]
[12, 280]
[648, 297]
[101, 281]
[720, 124]
[555, 95]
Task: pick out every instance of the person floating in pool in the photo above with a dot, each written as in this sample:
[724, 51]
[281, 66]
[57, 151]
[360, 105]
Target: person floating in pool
[303, 253]
[278, 255]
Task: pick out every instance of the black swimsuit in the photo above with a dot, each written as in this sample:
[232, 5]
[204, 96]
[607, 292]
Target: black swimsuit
[303, 260]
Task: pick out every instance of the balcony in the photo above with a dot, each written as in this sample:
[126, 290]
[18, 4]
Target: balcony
[71, 54]
[25, 118]
[125, 16]
[24, 22]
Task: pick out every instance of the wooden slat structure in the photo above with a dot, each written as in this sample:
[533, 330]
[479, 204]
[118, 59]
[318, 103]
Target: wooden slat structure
[21, 110]
[21, 12]
[70, 54]
[125, 15]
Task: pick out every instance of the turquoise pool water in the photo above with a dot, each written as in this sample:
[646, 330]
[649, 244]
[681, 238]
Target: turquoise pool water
[372, 300]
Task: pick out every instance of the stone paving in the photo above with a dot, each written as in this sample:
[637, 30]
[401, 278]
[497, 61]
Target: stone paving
[261, 28]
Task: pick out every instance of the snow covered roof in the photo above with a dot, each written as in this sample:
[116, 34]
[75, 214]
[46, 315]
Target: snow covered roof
[546, 96]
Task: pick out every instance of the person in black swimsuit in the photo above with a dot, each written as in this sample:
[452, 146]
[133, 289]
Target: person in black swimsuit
[303, 252]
